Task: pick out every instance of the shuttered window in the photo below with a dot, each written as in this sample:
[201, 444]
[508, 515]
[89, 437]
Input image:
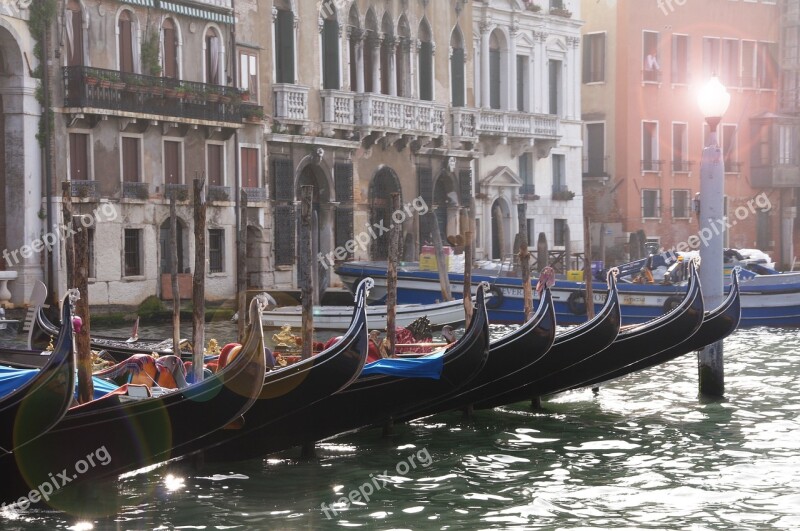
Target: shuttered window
[522, 74]
[457, 77]
[131, 156]
[250, 168]
[330, 54]
[125, 42]
[79, 157]
[426, 71]
[284, 236]
[555, 86]
[494, 79]
[283, 179]
[680, 59]
[216, 250]
[284, 47]
[133, 252]
[170, 48]
[215, 170]
[594, 57]
[172, 162]
[75, 40]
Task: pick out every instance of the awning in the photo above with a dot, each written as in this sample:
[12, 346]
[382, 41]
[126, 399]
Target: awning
[145, 3]
[192, 11]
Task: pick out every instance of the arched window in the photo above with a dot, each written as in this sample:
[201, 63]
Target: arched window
[212, 57]
[403, 57]
[425, 61]
[371, 54]
[330, 48]
[284, 42]
[125, 42]
[169, 48]
[495, 70]
[387, 52]
[457, 68]
[73, 24]
[354, 23]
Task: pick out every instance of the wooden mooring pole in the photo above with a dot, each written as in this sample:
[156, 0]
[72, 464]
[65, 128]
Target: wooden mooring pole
[69, 243]
[176, 295]
[468, 251]
[82, 340]
[391, 278]
[441, 265]
[587, 267]
[241, 266]
[525, 260]
[198, 280]
[305, 260]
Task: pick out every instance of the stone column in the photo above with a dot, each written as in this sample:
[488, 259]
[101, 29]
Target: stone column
[358, 37]
[512, 66]
[391, 46]
[375, 49]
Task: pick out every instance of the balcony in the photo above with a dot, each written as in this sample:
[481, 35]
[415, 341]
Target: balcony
[652, 166]
[291, 104]
[681, 166]
[775, 176]
[732, 166]
[256, 195]
[179, 191]
[97, 88]
[338, 110]
[562, 193]
[218, 193]
[399, 116]
[136, 191]
[528, 191]
[651, 76]
[465, 124]
[84, 189]
[515, 124]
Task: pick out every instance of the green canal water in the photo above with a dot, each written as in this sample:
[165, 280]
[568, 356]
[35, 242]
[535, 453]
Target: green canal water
[645, 453]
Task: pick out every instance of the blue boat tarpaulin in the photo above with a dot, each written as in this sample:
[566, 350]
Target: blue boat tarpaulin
[424, 367]
[12, 379]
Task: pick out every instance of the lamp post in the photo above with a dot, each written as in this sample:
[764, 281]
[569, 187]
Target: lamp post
[713, 101]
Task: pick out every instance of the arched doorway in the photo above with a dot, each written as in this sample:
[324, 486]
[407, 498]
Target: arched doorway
[383, 185]
[445, 205]
[321, 223]
[500, 229]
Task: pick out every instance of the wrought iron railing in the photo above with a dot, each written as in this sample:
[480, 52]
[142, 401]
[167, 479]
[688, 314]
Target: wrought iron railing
[179, 191]
[136, 190]
[83, 189]
[682, 166]
[256, 195]
[219, 193]
[110, 89]
[651, 165]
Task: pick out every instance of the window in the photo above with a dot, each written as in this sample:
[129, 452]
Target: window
[215, 161]
[131, 159]
[494, 71]
[79, 157]
[284, 43]
[554, 75]
[651, 203]
[526, 174]
[330, 50]
[729, 153]
[651, 67]
[248, 73]
[786, 143]
[457, 69]
[767, 66]
[133, 252]
[595, 149]
[680, 204]
[680, 147]
[729, 74]
[559, 177]
[711, 55]
[522, 78]
[212, 58]
[559, 232]
[680, 59]
[386, 52]
[249, 163]
[425, 62]
[791, 45]
[216, 250]
[73, 24]
[594, 58]
[173, 171]
[169, 47]
[125, 42]
[748, 64]
[650, 160]
[761, 145]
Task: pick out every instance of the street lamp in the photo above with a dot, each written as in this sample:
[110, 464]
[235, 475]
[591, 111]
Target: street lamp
[713, 101]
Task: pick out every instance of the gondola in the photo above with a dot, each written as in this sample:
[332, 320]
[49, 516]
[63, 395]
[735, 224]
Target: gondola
[508, 356]
[574, 344]
[632, 343]
[114, 435]
[117, 348]
[33, 408]
[368, 401]
[717, 325]
[304, 383]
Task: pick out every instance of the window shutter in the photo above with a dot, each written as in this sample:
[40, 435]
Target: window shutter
[283, 179]
[343, 172]
[494, 73]
[172, 170]
[457, 77]
[284, 44]
[78, 149]
[520, 82]
[587, 58]
[284, 236]
[125, 46]
[130, 160]
[250, 168]
[170, 52]
[426, 71]
[75, 58]
[214, 164]
[465, 182]
[330, 44]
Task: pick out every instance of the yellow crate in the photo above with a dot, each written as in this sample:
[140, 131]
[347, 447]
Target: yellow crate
[575, 275]
[427, 262]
